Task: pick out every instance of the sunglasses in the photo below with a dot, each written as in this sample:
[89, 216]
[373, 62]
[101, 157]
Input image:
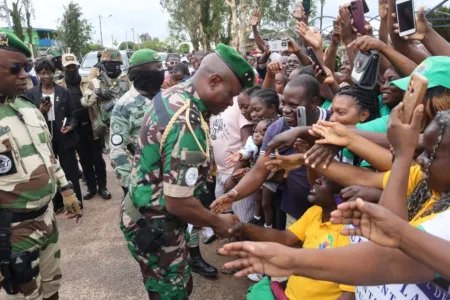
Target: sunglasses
[16, 68]
[171, 63]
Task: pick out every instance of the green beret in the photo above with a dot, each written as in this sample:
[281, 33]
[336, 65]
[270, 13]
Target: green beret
[240, 67]
[144, 56]
[10, 41]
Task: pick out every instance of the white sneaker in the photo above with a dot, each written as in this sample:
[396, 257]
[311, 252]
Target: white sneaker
[256, 277]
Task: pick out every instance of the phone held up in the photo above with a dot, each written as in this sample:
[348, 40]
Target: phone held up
[301, 116]
[312, 54]
[45, 100]
[405, 17]
[278, 46]
[357, 9]
[414, 94]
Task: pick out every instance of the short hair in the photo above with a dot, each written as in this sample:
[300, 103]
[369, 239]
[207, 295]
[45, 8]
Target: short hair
[307, 82]
[308, 70]
[170, 55]
[366, 99]
[44, 64]
[181, 68]
[250, 91]
[268, 97]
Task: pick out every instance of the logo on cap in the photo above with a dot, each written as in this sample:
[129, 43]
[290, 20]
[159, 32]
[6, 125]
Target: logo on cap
[70, 58]
[421, 68]
[156, 56]
[4, 39]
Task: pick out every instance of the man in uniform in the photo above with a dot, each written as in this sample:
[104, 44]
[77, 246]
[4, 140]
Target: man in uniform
[100, 97]
[170, 168]
[147, 75]
[55, 55]
[89, 150]
[29, 178]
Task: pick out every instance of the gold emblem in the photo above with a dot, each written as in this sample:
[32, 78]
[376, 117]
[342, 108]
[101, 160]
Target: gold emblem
[246, 74]
[4, 39]
[156, 56]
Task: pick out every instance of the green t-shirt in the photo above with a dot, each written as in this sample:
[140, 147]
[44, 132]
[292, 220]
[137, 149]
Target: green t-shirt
[377, 125]
[384, 109]
[326, 104]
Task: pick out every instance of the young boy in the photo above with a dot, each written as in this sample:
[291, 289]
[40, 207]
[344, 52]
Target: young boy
[312, 230]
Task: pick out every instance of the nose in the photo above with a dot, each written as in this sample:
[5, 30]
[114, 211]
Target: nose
[333, 118]
[22, 74]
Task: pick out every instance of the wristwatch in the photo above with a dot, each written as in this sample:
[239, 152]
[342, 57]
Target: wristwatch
[67, 187]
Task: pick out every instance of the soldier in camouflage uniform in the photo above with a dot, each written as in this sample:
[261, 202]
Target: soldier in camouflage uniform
[29, 178]
[169, 171]
[55, 55]
[101, 96]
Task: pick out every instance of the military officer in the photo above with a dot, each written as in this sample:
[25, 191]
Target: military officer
[29, 178]
[170, 167]
[100, 97]
[55, 55]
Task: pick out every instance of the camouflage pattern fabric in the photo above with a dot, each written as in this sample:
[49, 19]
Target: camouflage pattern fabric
[55, 52]
[126, 122]
[173, 173]
[111, 55]
[97, 107]
[29, 177]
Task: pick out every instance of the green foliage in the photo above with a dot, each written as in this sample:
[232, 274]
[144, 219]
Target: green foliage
[184, 48]
[17, 18]
[95, 47]
[73, 30]
[154, 44]
[443, 31]
[29, 13]
[145, 37]
[123, 45]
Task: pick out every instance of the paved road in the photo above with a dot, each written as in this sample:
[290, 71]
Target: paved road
[97, 265]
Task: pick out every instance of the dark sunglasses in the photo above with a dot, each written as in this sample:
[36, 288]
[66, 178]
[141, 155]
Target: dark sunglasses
[16, 68]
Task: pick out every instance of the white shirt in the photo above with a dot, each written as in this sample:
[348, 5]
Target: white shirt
[51, 112]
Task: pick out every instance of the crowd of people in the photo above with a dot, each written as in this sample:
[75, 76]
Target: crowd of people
[323, 186]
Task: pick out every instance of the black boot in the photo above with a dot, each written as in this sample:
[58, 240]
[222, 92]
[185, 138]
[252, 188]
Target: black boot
[104, 193]
[200, 266]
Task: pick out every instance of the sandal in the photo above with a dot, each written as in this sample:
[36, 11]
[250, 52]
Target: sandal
[228, 272]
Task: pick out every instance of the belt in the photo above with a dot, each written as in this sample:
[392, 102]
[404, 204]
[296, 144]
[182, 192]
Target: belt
[20, 217]
[138, 218]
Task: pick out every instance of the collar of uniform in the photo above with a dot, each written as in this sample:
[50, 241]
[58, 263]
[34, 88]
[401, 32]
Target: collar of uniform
[139, 99]
[189, 88]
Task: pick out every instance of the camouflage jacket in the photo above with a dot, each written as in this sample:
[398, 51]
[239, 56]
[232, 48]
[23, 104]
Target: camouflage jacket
[181, 167]
[126, 122]
[99, 110]
[29, 172]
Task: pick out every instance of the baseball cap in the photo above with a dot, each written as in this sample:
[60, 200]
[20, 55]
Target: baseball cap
[435, 68]
[69, 59]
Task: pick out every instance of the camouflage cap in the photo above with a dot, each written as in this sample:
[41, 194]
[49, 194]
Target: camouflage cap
[55, 52]
[10, 41]
[111, 55]
[144, 56]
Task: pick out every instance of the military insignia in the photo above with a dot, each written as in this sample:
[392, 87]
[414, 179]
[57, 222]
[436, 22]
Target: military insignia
[70, 58]
[117, 127]
[5, 164]
[4, 130]
[116, 139]
[4, 39]
[156, 56]
[191, 176]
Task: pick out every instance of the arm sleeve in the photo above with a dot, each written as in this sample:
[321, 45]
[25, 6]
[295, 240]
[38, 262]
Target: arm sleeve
[72, 120]
[248, 149]
[89, 98]
[119, 134]
[60, 176]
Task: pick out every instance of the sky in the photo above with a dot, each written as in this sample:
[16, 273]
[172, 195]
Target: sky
[145, 16]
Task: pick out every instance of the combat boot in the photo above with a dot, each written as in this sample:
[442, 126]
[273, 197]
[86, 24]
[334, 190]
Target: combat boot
[200, 266]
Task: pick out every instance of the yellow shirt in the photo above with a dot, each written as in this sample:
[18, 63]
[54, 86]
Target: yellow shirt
[317, 235]
[415, 176]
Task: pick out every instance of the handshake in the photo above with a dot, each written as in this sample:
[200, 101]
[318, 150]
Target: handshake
[229, 224]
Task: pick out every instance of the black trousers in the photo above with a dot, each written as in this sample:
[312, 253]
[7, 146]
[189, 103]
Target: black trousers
[91, 158]
[68, 161]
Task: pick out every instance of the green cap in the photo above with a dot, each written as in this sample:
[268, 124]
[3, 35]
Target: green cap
[144, 56]
[240, 67]
[435, 68]
[10, 41]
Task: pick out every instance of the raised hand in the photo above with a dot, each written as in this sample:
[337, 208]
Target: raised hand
[299, 13]
[320, 154]
[271, 259]
[285, 162]
[328, 79]
[371, 221]
[367, 43]
[333, 133]
[223, 203]
[256, 17]
[383, 9]
[275, 67]
[281, 141]
[422, 27]
[314, 38]
[346, 23]
[292, 46]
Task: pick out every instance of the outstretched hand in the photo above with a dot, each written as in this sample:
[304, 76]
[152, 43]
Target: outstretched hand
[285, 162]
[256, 17]
[371, 221]
[331, 132]
[271, 259]
[313, 38]
[224, 202]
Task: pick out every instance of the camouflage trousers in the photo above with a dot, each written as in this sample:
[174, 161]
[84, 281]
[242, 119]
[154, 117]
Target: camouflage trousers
[166, 273]
[39, 234]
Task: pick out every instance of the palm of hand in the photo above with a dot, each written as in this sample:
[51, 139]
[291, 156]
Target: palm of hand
[314, 39]
[254, 20]
[336, 136]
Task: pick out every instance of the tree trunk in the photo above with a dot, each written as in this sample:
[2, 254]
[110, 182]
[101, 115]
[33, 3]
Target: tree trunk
[234, 24]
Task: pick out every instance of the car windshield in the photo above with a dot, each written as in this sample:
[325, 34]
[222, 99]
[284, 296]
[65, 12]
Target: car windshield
[91, 59]
[163, 56]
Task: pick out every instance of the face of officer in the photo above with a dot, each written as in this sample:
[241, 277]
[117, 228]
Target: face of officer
[13, 76]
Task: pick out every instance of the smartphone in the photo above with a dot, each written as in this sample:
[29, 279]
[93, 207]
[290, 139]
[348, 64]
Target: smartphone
[278, 46]
[357, 11]
[45, 100]
[417, 88]
[301, 116]
[307, 7]
[366, 7]
[312, 54]
[405, 17]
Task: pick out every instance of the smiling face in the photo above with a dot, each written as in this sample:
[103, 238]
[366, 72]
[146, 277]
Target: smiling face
[435, 170]
[260, 110]
[346, 70]
[345, 110]
[244, 105]
[322, 193]
[295, 96]
[392, 95]
[292, 63]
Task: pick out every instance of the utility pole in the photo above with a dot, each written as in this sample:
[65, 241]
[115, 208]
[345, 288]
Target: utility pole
[112, 40]
[101, 34]
[5, 6]
[126, 39]
[139, 44]
[132, 30]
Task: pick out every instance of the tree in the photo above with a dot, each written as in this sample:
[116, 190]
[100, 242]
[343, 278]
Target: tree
[145, 37]
[73, 30]
[94, 47]
[123, 45]
[443, 31]
[29, 13]
[184, 48]
[154, 44]
[17, 18]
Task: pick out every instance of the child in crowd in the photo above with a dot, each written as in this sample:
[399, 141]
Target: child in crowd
[264, 105]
